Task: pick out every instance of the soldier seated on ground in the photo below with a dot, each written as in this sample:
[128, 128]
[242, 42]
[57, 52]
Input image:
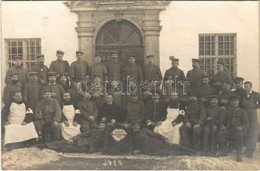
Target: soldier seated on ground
[152, 143]
[86, 142]
[19, 128]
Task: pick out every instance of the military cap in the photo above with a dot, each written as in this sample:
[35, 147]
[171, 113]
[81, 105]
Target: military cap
[150, 56]
[114, 52]
[205, 76]
[45, 90]
[238, 79]
[97, 56]
[221, 63]
[13, 72]
[33, 73]
[195, 60]
[40, 56]
[234, 97]
[51, 73]
[213, 97]
[79, 52]
[131, 55]
[60, 52]
[172, 58]
[17, 57]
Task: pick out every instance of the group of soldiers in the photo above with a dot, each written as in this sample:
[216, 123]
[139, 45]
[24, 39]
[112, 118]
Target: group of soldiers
[216, 118]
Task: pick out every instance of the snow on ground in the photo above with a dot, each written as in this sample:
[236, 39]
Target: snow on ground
[30, 157]
[25, 157]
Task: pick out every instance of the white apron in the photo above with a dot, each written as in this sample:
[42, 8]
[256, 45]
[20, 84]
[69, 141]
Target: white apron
[69, 131]
[15, 132]
[166, 128]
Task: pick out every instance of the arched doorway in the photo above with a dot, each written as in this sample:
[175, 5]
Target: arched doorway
[122, 36]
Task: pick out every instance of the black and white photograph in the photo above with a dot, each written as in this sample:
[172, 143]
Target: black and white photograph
[130, 85]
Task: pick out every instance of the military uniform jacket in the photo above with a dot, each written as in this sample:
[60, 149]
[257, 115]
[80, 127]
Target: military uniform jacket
[215, 113]
[32, 94]
[110, 112]
[114, 70]
[241, 93]
[155, 112]
[57, 89]
[22, 74]
[9, 91]
[206, 91]
[98, 69]
[134, 111]
[195, 78]
[87, 108]
[222, 77]
[48, 111]
[172, 72]
[152, 73]
[79, 70]
[235, 118]
[195, 113]
[42, 72]
[134, 72]
[60, 67]
[75, 96]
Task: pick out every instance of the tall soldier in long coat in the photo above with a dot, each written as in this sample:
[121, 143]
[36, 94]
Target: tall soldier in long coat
[173, 72]
[23, 74]
[60, 66]
[41, 69]
[240, 91]
[250, 103]
[79, 69]
[32, 91]
[98, 69]
[195, 75]
[152, 72]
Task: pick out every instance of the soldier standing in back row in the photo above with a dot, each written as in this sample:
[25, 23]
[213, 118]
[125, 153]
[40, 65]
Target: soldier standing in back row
[173, 72]
[195, 75]
[239, 89]
[41, 69]
[60, 66]
[152, 72]
[79, 69]
[98, 69]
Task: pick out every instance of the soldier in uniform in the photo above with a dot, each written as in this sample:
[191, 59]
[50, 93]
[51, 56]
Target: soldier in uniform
[232, 128]
[152, 72]
[79, 69]
[134, 109]
[32, 91]
[98, 69]
[250, 103]
[114, 67]
[155, 112]
[23, 74]
[195, 114]
[206, 90]
[56, 89]
[41, 69]
[60, 66]
[48, 117]
[224, 95]
[240, 91]
[220, 77]
[195, 74]
[132, 70]
[75, 94]
[173, 72]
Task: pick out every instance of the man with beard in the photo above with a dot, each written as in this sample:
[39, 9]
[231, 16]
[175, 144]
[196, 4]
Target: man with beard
[195, 74]
[152, 143]
[23, 75]
[70, 119]
[56, 89]
[19, 127]
[41, 69]
[60, 66]
[79, 69]
[239, 89]
[48, 117]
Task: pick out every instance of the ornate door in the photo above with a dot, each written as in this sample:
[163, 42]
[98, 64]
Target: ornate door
[122, 36]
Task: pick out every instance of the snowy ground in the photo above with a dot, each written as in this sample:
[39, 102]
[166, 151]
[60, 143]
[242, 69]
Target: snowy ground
[36, 159]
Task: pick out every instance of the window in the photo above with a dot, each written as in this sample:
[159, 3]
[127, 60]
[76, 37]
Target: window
[27, 48]
[218, 47]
